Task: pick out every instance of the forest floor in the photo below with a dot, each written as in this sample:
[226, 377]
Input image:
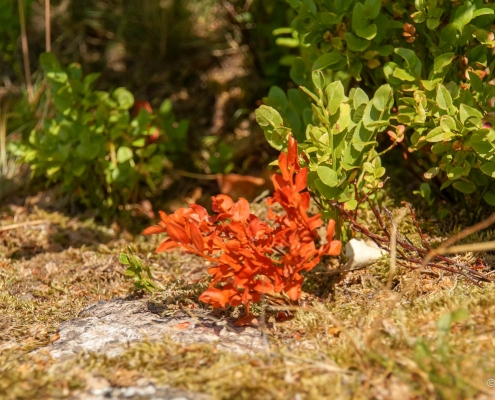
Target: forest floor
[430, 335]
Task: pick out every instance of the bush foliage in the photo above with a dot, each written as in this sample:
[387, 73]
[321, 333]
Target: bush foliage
[101, 147]
[428, 66]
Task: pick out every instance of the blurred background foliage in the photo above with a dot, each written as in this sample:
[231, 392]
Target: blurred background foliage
[208, 62]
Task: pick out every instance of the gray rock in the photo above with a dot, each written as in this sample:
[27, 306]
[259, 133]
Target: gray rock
[108, 326]
[149, 391]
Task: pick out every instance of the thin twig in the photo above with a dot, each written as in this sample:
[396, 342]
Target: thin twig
[461, 235]
[3, 139]
[48, 39]
[416, 224]
[25, 52]
[463, 248]
[23, 224]
[393, 257]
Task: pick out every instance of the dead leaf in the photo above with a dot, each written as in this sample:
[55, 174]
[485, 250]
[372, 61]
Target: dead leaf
[236, 185]
[248, 320]
[182, 325]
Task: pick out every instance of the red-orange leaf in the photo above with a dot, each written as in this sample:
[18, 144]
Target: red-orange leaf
[241, 210]
[253, 227]
[221, 203]
[282, 163]
[263, 286]
[201, 211]
[253, 257]
[335, 248]
[330, 230]
[302, 179]
[167, 245]
[177, 232]
[215, 297]
[292, 151]
[163, 216]
[293, 290]
[197, 237]
[152, 230]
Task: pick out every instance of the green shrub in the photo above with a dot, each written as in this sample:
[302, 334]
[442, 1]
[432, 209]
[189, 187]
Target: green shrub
[88, 142]
[437, 58]
[341, 138]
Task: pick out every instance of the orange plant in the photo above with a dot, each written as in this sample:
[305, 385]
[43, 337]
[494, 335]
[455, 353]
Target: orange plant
[251, 257]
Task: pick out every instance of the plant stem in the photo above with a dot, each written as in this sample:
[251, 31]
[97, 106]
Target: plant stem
[48, 27]
[25, 52]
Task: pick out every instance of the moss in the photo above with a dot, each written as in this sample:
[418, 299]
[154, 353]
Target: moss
[363, 341]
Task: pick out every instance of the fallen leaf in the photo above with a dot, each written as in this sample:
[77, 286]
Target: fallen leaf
[248, 320]
[236, 186]
[182, 325]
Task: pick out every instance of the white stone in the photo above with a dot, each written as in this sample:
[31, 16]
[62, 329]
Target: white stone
[361, 253]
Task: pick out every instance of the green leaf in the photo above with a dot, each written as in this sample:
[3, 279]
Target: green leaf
[277, 98]
[350, 205]
[139, 142]
[476, 82]
[425, 190]
[403, 75]
[431, 85]
[466, 187]
[354, 43]
[483, 11]
[330, 193]
[367, 33]
[463, 16]
[298, 71]
[165, 107]
[489, 197]
[383, 99]
[360, 97]
[467, 112]
[379, 172]
[49, 62]
[335, 95]
[318, 80]
[88, 150]
[489, 169]
[287, 42]
[449, 34]
[327, 175]
[124, 154]
[124, 98]
[447, 123]
[413, 63]
[442, 61]
[268, 116]
[432, 172]
[373, 7]
[124, 259]
[326, 60]
[444, 100]
[359, 16]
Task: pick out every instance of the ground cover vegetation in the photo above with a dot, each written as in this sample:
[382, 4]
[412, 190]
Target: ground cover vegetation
[382, 116]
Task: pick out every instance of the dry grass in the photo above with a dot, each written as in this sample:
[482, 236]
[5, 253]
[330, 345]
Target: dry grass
[358, 340]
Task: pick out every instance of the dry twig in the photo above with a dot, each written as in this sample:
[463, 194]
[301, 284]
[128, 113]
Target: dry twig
[410, 255]
[23, 224]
